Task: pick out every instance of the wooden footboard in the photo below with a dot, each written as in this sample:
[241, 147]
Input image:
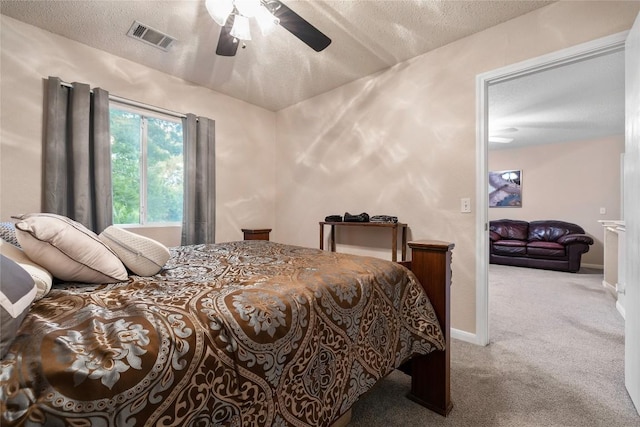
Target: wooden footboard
[430, 374]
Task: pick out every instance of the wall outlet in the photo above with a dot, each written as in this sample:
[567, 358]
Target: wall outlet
[465, 205]
[603, 211]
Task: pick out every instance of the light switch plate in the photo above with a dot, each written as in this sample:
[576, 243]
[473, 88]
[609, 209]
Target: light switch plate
[465, 205]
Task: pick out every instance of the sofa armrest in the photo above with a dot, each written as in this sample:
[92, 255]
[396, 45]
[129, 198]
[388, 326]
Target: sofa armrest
[575, 238]
[494, 237]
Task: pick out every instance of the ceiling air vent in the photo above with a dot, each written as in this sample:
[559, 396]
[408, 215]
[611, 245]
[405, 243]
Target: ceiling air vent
[151, 36]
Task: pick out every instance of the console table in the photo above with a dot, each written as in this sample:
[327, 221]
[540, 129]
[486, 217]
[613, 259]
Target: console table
[394, 226]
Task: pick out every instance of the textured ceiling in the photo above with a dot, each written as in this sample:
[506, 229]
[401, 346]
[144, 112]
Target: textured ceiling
[580, 101]
[276, 70]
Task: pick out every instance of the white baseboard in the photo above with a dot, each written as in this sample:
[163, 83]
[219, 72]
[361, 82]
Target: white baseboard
[595, 266]
[618, 306]
[610, 288]
[464, 336]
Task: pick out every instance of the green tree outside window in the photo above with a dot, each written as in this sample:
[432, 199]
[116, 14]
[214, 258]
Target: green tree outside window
[147, 168]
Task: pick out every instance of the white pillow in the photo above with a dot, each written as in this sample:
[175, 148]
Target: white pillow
[140, 254]
[68, 249]
[39, 274]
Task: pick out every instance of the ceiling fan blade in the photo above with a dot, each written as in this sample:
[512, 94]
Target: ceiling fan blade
[302, 29]
[227, 44]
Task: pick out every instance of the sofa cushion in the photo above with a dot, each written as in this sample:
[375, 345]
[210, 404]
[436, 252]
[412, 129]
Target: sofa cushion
[510, 229]
[510, 247]
[551, 231]
[545, 249]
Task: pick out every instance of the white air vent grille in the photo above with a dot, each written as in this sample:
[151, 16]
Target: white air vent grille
[151, 36]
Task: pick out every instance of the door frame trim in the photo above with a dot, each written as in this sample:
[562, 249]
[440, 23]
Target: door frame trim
[559, 58]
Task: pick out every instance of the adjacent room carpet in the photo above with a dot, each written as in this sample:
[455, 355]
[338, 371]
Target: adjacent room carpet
[556, 358]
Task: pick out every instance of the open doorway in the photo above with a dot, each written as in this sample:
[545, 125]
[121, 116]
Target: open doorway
[489, 84]
[555, 143]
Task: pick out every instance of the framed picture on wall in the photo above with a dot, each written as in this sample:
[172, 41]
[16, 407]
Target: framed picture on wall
[505, 189]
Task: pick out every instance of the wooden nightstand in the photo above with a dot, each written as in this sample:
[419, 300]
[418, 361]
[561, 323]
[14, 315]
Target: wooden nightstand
[256, 233]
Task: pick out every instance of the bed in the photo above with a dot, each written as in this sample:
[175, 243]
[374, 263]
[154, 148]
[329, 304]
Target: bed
[244, 333]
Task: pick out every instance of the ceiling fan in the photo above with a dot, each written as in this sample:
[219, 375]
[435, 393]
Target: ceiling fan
[233, 16]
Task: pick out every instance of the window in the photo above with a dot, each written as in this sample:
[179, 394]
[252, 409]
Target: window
[147, 167]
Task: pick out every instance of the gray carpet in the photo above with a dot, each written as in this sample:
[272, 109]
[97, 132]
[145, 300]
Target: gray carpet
[556, 358]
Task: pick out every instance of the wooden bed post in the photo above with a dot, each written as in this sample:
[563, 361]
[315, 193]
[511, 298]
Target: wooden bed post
[430, 374]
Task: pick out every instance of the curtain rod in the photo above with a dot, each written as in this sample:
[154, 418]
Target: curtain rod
[132, 103]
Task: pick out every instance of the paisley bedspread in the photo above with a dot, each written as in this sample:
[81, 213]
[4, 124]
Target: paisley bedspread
[248, 333]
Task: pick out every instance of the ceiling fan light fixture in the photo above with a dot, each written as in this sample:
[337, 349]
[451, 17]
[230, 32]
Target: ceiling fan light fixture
[240, 29]
[266, 20]
[269, 13]
[219, 10]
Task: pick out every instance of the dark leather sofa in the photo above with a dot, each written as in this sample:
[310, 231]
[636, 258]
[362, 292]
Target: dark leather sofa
[548, 244]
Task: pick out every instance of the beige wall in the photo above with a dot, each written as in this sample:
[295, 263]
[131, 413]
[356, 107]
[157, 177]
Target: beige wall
[403, 143]
[570, 181]
[245, 134]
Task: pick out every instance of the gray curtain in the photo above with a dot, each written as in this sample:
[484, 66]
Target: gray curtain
[77, 154]
[198, 217]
